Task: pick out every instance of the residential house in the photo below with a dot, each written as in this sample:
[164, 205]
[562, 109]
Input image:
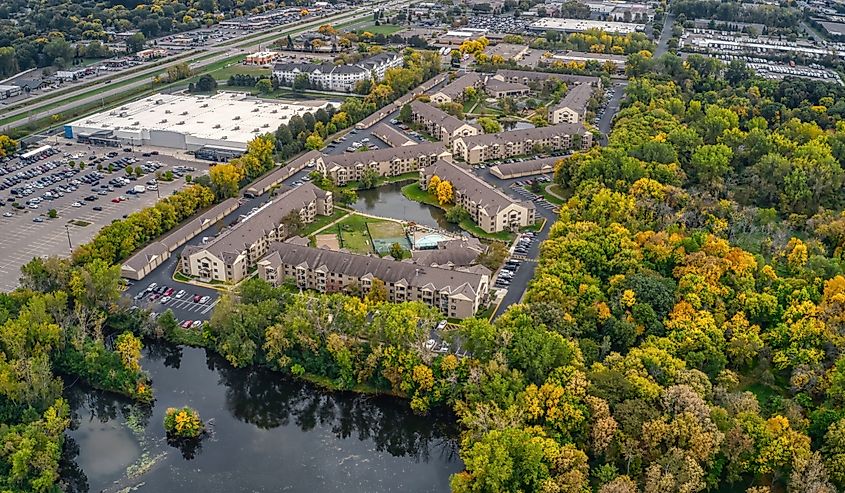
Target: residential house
[456, 293]
[391, 161]
[232, 255]
[491, 209]
[440, 124]
[487, 147]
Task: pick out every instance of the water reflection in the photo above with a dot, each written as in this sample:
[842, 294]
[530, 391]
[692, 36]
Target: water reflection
[267, 433]
[388, 201]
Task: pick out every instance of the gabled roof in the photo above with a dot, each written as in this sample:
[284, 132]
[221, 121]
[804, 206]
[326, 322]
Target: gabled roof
[368, 267]
[532, 75]
[524, 134]
[439, 117]
[491, 199]
[576, 99]
[350, 159]
[456, 88]
[244, 234]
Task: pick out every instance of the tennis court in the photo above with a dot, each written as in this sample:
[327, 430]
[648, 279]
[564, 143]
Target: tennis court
[386, 233]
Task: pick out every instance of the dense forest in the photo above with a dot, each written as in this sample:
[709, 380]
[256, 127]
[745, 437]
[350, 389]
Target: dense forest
[39, 34]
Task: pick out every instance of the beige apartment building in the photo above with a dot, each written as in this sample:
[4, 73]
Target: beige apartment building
[458, 294]
[487, 147]
[572, 107]
[440, 124]
[490, 208]
[392, 161]
[232, 255]
[454, 91]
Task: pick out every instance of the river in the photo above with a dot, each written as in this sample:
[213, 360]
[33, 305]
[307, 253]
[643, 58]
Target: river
[268, 433]
[388, 201]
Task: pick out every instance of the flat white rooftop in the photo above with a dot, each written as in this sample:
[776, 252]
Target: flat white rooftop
[230, 117]
[579, 25]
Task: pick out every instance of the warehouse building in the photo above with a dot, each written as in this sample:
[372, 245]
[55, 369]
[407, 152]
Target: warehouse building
[224, 120]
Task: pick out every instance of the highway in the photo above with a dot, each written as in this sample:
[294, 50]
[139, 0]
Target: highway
[224, 51]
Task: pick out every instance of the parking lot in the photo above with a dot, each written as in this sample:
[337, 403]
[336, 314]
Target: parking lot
[41, 188]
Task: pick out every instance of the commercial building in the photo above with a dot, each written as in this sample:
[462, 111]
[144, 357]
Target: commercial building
[572, 107]
[231, 256]
[581, 25]
[9, 91]
[440, 124]
[456, 293]
[528, 167]
[503, 145]
[490, 208]
[151, 53]
[224, 120]
[392, 161]
[261, 58]
[337, 77]
[454, 91]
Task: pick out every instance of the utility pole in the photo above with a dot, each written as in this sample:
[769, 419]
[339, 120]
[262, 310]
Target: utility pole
[69, 244]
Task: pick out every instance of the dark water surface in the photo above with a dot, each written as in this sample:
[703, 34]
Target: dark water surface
[388, 201]
[268, 433]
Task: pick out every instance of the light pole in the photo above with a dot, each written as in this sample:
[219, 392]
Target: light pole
[69, 244]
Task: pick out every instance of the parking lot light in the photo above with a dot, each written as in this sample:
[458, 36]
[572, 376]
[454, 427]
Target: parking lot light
[69, 244]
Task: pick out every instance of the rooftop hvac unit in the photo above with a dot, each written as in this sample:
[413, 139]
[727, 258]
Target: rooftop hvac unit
[159, 101]
[265, 125]
[112, 113]
[166, 112]
[255, 110]
[135, 124]
[163, 121]
[123, 114]
[181, 123]
[275, 111]
[217, 126]
[123, 108]
[224, 137]
[236, 127]
[254, 130]
[204, 105]
[184, 113]
[236, 118]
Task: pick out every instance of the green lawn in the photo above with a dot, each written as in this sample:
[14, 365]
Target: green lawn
[224, 73]
[385, 29]
[353, 235]
[415, 193]
[322, 221]
[544, 191]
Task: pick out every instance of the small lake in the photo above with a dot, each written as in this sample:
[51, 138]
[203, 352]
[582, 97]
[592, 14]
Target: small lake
[268, 433]
[388, 201]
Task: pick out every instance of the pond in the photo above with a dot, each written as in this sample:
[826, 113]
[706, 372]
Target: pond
[268, 433]
[388, 201]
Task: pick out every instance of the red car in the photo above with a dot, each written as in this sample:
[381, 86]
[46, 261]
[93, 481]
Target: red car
[115, 200]
[186, 324]
[197, 298]
[155, 296]
[169, 292]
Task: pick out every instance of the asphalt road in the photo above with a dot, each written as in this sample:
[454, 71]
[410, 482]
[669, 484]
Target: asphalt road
[665, 34]
[606, 120]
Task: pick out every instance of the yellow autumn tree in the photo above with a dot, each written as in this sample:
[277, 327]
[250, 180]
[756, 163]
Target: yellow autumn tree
[432, 184]
[445, 193]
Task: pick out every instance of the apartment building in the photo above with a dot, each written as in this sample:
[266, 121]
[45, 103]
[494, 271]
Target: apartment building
[572, 107]
[454, 91]
[527, 77]
[440, 124]
[490, 208]
[458, 294]
[231, 256]
[391, 161]
[496, 88]
[487, 147]
[337, 77]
